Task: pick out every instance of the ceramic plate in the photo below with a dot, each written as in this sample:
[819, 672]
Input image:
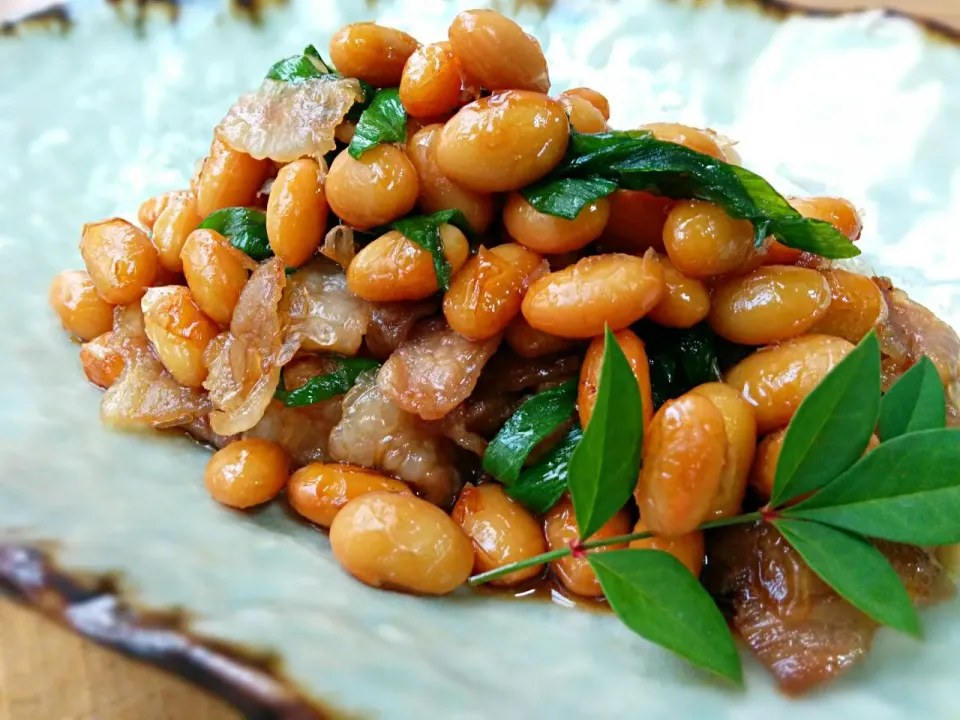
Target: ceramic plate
[91, 123]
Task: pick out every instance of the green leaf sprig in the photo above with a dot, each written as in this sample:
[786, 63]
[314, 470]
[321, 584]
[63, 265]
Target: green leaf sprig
[323, 387]
[533, 421]
[246, 230]
[829, 500]
[384, 121]
[636, 160]
[540, 486]
[299, 68]
[424, 230]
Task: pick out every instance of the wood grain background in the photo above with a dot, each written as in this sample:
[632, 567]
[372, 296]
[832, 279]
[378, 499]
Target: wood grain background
[48, 673]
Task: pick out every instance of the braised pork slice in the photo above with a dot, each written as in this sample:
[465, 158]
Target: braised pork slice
[795, 624]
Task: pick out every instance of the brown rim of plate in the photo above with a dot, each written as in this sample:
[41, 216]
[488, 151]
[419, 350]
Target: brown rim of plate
[252, 683]
[56, 16]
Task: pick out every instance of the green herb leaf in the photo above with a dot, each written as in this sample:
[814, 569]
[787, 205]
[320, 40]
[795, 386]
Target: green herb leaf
[907, 490]
[698, 355]
[658, 598]
[856, 570]
[566, 197]
[532, 422]
[245, 228]
[324, 387]
[915, 402]
[301, 67]
[636, 160]
[832, 426]
[606, 462]
[540, 486]
[385, 121]
[424, 230]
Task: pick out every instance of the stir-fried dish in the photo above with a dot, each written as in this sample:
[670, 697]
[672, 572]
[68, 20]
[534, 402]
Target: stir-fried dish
[482, 337]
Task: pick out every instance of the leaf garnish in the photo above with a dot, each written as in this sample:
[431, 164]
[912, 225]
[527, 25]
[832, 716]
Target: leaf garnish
[832, 426]
[424, 230]
[906, 490]
[605, 464]
[541, 485]
[915, 402]
[636, 160]
[566, 197]
[384, 121]
[657, 597]
[323, 387]
[246, 230]
[533, 421]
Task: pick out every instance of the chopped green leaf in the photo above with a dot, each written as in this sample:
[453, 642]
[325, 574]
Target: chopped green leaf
[301, 67]
[657, 597]
[540, 486]
[698, 355]
[606, 462]
[324, 387]
[245, 228]
[915, 402]
[907, 490]
[856, 570]
[832, 426]
[532, 422]
[566, 197]
[424, 230]
[385, 121]
[636, 160]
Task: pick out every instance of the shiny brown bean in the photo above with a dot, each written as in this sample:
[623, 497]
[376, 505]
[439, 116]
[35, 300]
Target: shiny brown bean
[486, 294]
[856, 306]
[81, 310]
[636, 354]
[591, 96]
[502, 531]
[376, 189]
[247, 472]
[101, 362]
[549, 233]
[394, 268]
[636, 222]
[504, 141]
[431, 82]
[151, 208]
[685, 301]
[775, 380]
[560, 528]
[702, 240]
[769, 304]
[580, 300]
[683, 456]
[228, 178]
[437, 191]
[120, 259]
[179, 332]
[319, 491]
[741, 429]
[216, 273]
[178, 219]
[688, 549]
[694, 138]
[297, 212]
[400, 542]
[528, 342]
[584, 117]
[497, 53]
[373, 53]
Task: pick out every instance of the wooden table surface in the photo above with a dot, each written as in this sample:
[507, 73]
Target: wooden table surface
[48, 673]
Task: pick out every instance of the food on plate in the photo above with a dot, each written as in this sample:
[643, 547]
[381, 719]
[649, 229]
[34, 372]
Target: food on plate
[481, 336]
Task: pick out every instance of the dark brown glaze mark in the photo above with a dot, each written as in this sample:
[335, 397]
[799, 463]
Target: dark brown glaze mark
[250, 682]
[55, 19]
